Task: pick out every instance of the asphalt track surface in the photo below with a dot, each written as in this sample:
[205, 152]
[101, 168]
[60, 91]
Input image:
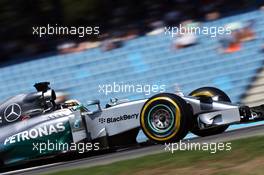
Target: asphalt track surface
[133, 153]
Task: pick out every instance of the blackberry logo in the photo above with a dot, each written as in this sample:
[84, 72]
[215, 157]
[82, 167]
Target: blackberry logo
[102, 120]
[118, 119]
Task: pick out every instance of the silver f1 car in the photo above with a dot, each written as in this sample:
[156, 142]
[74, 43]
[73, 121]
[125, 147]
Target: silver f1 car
[30, 120]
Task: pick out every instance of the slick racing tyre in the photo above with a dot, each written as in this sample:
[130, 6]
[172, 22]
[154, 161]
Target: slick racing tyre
[210, 92]
[1, 164]
[165, 118]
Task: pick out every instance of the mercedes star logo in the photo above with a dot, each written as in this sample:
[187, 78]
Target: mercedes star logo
[12, 112]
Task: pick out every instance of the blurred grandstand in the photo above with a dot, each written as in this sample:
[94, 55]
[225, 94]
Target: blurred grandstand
[149, 59]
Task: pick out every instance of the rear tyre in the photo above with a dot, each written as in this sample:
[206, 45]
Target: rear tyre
[1, 164]
[222, 97]
[165, 118]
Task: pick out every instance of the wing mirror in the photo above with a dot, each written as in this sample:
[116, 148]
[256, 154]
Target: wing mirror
[96, 103]
[93, 102]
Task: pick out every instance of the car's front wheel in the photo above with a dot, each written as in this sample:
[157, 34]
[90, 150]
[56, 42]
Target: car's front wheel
[165, 118]
[221, 97]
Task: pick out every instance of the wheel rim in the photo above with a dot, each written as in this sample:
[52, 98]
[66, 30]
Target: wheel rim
[160, 119]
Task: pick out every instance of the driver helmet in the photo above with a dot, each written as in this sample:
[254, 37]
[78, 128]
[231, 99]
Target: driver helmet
[71, 103]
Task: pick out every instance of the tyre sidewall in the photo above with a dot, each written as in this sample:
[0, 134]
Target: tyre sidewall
[180, 108]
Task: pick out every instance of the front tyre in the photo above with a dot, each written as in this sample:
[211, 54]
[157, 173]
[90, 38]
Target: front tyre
[165, 118]
[222, 97]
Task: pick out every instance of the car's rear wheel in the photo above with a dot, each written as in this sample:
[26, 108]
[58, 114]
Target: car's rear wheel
[165, 118]
[210, 92]
[2, 163]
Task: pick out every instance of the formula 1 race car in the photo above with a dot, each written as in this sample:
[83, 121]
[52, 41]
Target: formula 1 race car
[30, 120]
